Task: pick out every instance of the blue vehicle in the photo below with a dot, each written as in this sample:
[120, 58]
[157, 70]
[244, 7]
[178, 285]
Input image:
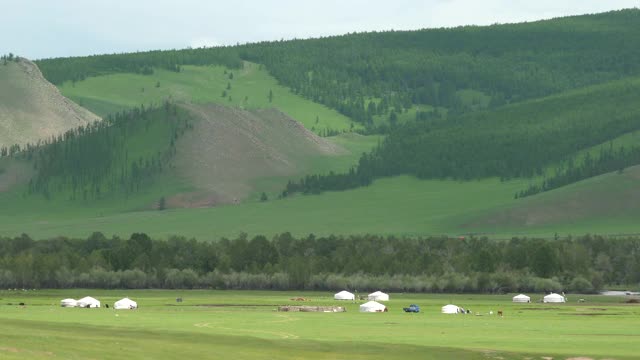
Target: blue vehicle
[413, 308]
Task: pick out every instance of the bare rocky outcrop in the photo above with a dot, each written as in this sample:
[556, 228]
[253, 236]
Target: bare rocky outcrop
[33, 109]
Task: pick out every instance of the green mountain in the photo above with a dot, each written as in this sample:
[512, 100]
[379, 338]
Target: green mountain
[464, 130]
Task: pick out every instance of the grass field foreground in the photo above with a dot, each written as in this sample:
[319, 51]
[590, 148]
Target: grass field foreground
[244, 324]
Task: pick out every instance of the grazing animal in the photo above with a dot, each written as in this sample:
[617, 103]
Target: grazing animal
[500, 313]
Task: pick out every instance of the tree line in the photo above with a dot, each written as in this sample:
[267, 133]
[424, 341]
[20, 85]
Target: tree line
[59, 70]
[607, 160]
[367, 262]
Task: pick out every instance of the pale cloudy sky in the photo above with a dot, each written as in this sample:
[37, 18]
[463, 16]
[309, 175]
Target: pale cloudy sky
[53, 28]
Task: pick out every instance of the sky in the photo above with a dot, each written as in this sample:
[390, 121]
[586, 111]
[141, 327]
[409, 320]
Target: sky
[55, 28]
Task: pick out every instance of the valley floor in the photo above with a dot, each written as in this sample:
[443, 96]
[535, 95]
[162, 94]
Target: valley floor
[244, 324]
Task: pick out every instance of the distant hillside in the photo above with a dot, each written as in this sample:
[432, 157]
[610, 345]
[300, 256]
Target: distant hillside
[380, 73]
[31, 108]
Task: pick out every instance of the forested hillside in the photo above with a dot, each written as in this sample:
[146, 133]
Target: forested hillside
[118, 155]
[363, 75]
[512, 110]
[518, 140]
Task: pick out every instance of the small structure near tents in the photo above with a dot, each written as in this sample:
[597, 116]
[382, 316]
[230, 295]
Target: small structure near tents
[68, 303]
[88, 302]
[521, 299]
[344, 295]
[373, 306]
[451, 309]
[125, 304]
[554, 298]
[378, 296]
[292, 308]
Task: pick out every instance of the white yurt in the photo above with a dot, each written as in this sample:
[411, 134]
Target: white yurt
[378, 296]
[68, 303]
[451, 309]
[125, 304]
[522, 298]
[88, 302]
[344, 295]
[372, 306]
[553, 298]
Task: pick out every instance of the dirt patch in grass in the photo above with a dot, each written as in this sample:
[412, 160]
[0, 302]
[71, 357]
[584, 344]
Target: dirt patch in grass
[633, 301]
[540, 308]
[228, 305]
[230, 150]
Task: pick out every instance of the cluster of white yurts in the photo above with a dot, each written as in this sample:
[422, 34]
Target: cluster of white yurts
[371, 306]
[89, 302]
[374, 306]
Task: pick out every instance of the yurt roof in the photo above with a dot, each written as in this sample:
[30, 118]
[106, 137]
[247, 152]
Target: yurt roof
[377, 293]
[372, 304]
[554, 296]
[88, 299]
[450, 308]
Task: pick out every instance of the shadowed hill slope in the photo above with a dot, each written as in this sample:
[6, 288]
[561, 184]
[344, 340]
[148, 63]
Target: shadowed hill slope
[31, 108]
[610, 201]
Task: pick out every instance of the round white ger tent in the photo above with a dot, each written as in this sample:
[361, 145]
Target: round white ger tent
[68, 303]
[372, 306]
[125, 304]
[378, 296]
[344, 295]
[88, 302]
[451, 309]
[521, 299]
[553, 298]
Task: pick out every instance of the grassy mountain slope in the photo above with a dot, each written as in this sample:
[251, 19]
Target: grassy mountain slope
[249, 89]
[32, 109]
[401, 205]
[395, 206]
[607, 203]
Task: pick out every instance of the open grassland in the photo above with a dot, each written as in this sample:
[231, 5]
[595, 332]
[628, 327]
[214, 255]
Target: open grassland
[249, 89]
[242, 325]
[402, 205]
[394, 206]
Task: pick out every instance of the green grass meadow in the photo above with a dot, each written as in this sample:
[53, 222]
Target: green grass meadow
[401, 206]
[245, 324]
[398, 206]
[250, 88]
